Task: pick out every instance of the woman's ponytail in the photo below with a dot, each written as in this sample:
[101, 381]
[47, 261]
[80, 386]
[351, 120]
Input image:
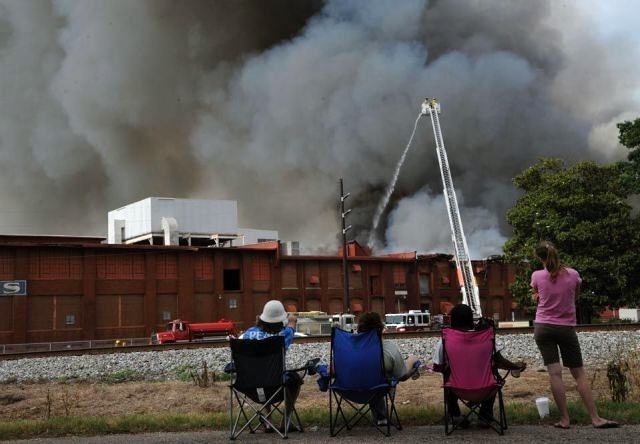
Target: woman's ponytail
[547, 252]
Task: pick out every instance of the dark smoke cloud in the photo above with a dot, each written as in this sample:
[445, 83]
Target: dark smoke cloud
[269, 103]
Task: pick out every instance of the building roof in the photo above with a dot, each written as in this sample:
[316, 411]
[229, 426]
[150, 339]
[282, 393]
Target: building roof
[270, 245]
[435, 256]
[49, 239]
[355, 250]
[350, 258]
[408, 255]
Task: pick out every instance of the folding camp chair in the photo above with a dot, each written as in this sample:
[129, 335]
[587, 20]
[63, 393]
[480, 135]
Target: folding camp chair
[357, 380]
[470, 375]
[258, 387]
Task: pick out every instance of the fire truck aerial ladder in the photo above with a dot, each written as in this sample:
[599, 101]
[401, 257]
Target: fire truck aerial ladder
[466, 278]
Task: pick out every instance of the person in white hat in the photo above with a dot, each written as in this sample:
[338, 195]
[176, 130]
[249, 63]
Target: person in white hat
[274, 321]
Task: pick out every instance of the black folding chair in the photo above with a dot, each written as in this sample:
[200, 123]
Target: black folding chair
[258, 387]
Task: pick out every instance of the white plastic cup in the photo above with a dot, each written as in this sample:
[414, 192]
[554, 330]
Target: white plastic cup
[543, 407]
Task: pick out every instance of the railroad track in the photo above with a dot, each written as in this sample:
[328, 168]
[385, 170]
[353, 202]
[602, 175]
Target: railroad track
[298, 340]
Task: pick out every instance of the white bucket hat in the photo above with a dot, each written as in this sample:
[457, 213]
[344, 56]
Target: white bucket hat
[273, 312]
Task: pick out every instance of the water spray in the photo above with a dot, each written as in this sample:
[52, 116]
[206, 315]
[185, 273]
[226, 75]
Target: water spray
[392, 185]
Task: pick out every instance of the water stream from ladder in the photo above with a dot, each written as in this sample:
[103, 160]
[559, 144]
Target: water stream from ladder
[391, 187]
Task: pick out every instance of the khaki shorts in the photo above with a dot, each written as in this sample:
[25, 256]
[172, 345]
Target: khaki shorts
[550, 338]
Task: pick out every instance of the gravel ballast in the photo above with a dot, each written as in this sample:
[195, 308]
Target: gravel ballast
[597, 349]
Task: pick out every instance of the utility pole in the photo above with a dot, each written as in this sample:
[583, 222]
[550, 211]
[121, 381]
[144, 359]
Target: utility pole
[345, 265]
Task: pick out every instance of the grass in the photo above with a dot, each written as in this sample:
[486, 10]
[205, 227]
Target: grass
[122, 376]
[185, 373]
[518, 414]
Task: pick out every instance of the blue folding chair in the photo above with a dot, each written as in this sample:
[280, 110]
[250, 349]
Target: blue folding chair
[357, 380]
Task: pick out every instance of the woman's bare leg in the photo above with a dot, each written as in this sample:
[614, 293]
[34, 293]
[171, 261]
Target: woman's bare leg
[559, 395]
[580, 375]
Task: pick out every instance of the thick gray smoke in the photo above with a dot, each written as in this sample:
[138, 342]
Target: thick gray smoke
[268, 103]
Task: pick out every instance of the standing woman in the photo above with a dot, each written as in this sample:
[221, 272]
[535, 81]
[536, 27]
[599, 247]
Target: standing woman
[556, 288]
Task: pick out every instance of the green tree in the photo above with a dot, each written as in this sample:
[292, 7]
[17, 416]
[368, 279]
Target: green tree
[583, 210]
[630, 137]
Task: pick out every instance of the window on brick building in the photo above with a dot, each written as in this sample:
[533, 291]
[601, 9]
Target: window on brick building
[231, 280]
[289, 275]
[444, 271]
[334, 275]
[374, 286]
[480, 271]
[166, 266]
[260, 268]
[355, 276]
[312, 274]
[399, 276]
[7, 264]
[203, 267]
[425, 283]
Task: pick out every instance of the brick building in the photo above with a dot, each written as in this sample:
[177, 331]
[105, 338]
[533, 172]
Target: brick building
[80, 288]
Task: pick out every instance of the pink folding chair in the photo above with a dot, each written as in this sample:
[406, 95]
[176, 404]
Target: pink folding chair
[470, 375]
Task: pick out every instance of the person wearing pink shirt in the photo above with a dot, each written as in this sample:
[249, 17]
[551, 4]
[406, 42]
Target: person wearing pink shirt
[556, 288]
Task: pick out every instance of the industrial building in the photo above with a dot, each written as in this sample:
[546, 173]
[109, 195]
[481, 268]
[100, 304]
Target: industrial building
[80, 288]
[171, 221]
[173, 258]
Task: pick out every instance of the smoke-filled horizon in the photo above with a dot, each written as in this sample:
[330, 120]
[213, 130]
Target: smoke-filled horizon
[269, 103]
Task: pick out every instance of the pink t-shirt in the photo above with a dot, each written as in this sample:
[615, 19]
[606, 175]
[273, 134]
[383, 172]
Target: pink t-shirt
[556, 303]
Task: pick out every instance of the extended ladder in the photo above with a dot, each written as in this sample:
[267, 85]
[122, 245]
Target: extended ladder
[466, 278]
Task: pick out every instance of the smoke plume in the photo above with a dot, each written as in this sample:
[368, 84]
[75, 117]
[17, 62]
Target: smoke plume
[269, 103]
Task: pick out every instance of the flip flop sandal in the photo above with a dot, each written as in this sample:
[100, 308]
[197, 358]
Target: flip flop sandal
[558, 425]
[607, 425]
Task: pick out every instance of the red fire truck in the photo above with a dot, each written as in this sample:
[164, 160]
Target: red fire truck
[180, 330]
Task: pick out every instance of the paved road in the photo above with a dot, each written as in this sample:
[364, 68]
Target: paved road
[515, 434]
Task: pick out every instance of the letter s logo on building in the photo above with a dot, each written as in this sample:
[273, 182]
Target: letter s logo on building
[11, 287]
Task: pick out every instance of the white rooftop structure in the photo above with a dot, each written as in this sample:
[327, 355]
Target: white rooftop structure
[170, 221]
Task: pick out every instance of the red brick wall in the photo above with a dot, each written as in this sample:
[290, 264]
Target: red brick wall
[120, 266]
[125, 293]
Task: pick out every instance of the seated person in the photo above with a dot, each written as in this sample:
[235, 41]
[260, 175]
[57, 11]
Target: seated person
[394, 364]
[274, 321]
[462, 319]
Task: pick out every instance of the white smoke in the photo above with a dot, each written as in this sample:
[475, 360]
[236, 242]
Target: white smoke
[420, 223]
[269, 103]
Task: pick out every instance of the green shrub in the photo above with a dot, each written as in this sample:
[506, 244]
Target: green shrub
[122, 376]
[183, 373]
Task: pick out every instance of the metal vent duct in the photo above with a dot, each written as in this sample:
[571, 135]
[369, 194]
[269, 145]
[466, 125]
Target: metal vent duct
[170, 229]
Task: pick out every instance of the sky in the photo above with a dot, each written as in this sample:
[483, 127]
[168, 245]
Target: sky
[616, 19]
[103, 103]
